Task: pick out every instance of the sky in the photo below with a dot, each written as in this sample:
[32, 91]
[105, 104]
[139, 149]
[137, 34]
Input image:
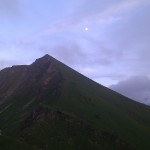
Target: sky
[106, 40]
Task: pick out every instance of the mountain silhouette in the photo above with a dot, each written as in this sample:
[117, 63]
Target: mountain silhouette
[47, 105]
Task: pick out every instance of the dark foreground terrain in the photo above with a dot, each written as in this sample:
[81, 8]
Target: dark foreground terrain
[49, 106]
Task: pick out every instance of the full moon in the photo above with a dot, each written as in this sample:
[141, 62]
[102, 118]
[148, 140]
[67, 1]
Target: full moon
[86, 29]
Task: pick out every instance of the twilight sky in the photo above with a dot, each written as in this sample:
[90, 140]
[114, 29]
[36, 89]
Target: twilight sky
[106, 40]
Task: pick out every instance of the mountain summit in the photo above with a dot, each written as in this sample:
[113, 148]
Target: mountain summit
[47, 105]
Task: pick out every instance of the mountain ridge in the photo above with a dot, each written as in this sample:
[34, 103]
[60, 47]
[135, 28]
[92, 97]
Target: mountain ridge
[40, 96]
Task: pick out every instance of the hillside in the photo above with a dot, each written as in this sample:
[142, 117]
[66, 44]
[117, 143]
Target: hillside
[48, 105]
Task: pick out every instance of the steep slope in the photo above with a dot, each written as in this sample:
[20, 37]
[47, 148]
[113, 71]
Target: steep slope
[49, 105]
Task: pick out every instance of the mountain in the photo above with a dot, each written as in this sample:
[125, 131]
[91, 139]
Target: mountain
[47, 105]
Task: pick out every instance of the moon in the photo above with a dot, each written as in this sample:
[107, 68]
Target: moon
[86, 29]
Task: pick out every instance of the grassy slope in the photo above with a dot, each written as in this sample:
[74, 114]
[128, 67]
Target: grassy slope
[105, 109]
[99, 106]
[68, 133]
[8, 143]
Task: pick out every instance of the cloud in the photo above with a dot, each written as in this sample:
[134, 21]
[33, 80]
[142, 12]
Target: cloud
[10, 7]
[88, 13]
[70, 53]
[16, 53]
[104, 11]
[8, 63]
[137, 88]
[95, 14]
[129, 37]
[73, 53]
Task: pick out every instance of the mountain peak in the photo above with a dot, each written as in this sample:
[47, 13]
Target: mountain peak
[46, 58]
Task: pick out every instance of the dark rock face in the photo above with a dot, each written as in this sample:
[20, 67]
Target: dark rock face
[38, 75]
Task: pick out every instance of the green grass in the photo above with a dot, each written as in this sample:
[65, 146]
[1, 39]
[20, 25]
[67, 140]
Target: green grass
[8, 143]
[66, 132]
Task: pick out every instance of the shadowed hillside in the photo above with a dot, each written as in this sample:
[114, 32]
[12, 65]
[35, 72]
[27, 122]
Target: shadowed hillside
[48, 105]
